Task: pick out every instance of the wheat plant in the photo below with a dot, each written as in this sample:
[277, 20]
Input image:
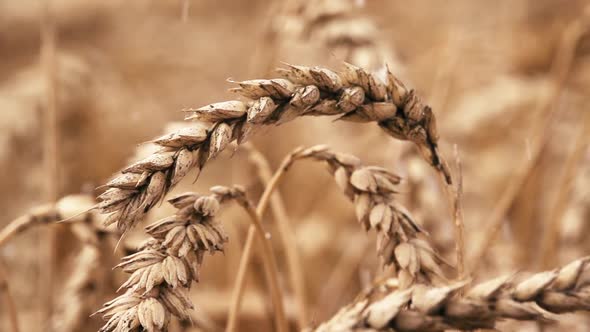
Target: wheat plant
[353, 94]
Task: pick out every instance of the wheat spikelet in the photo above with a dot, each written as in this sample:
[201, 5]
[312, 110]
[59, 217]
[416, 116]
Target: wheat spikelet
[401, 242]
[354, 94]
[165, 266]
[427, 308]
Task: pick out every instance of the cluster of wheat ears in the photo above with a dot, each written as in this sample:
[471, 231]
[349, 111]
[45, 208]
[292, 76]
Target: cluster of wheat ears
[425, 294]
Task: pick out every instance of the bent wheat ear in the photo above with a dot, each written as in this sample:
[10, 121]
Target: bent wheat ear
[165, 266]
[427, 308]
[354, 94]
[400, 240]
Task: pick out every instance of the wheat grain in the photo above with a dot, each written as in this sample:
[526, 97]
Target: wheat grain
[164, 268]
[425, 308]
[353, 94]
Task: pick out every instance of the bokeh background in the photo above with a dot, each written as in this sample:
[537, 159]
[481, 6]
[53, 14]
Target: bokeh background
[124, 70]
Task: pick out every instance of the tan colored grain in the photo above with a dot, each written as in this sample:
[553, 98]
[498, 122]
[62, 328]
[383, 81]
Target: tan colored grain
[426, 308]
[354, 94]
[164, 268]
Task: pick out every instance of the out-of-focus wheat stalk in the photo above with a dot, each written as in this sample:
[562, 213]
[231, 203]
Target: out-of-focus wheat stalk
[458, 217]
[40, 215]
[164, 268]
[386, 307]
[8, 299]
[82, 287]
[544, 120]
[552, 231]
[286, 232]
[48, 251]
[240, 281]
[354, 94]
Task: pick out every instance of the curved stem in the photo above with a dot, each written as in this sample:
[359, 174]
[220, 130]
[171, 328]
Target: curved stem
[238, 290]
[10, 305]
[545, 112]
[287, 235]
[552, 231]
[20, 224]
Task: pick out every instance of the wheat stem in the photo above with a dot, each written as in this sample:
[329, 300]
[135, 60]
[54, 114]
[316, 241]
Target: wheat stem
[458, 218]
[286, 232]
[42, 214]
[552, 231]
[270, 267]
[545, 114]
[48, 247]
[8, 299]
[240, 283]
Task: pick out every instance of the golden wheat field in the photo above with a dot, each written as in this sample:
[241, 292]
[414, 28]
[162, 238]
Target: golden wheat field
[319, 166]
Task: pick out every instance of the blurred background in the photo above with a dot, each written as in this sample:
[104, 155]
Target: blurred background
[508, 85]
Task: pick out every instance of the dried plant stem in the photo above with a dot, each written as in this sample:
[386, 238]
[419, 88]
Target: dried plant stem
[458, 218]
[270, 267]
[50, 152]
[186, 5]
[544, 114]
[240, 283]
[287, 234]
[552, 231]
[20, 224]
[8, 299]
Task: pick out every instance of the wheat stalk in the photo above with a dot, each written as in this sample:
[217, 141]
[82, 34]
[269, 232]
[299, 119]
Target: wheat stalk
[546, 110]
[286, 232]
[371, 189]
[8, 298]
[425, 308]
[164, 268]
[353, 94]
[552, 232]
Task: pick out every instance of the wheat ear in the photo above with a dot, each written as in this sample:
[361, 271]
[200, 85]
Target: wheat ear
[164, 268]
[371, 189]
[401, 241]
[426, 308]
[354, 94]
